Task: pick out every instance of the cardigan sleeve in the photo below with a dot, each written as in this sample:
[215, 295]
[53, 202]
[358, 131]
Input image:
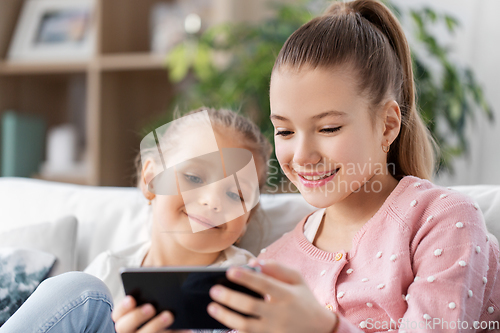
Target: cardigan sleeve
[455, 263]
[454, 273]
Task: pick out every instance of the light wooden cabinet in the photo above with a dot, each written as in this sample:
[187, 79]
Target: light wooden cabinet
[114, 94]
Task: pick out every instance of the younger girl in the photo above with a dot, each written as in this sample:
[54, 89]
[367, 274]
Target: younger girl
[388, 250]
[186, 230]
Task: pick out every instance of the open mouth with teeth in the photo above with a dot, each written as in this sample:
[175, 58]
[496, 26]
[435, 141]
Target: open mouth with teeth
[318, 179]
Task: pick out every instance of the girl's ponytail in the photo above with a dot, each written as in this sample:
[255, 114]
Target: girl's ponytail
[366, 35]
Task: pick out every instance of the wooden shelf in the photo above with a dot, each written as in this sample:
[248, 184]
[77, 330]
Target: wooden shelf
[111, 62]
[24, 68]
[131, 61]
[64, 179]
[111, 97]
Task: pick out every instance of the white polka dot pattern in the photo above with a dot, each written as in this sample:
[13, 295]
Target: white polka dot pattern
[438, 252]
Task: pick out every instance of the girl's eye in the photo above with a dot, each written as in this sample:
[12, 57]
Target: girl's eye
[330, 129]
[234, 196]
[283, 133]
[193, 179]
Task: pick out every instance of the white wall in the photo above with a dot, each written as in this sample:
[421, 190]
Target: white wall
[476, 44]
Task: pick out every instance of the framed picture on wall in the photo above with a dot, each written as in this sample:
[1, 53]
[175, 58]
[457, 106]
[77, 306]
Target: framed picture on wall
[54, 30]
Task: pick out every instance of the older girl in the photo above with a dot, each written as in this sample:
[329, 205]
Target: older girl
[387, 250]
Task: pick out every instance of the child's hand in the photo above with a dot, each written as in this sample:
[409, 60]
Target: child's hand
[289, 305]
[128, 317]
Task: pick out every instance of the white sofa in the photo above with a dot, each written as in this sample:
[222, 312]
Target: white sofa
[113, 218]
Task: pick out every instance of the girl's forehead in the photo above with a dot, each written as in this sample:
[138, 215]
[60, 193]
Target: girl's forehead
[311, 92]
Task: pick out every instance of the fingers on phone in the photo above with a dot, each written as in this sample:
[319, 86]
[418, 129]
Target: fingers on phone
[125, 306]
[158, 323]
[231, 318]
[130, 321]
[236, 300]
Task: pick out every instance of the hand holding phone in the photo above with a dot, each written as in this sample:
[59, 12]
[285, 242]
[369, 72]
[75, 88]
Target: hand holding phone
[183, 291]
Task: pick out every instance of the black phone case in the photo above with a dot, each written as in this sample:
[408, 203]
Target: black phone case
[183, 291]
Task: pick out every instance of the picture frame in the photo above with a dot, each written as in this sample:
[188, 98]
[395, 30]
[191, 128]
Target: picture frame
[54, 30]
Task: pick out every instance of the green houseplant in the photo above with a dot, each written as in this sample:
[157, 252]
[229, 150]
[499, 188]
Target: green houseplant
[229, 65]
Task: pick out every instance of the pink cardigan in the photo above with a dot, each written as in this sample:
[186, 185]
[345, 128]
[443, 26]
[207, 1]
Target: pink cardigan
[423, 263]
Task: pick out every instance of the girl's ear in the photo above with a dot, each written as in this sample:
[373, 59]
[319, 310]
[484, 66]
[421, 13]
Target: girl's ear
[392, 122]
[147, 176]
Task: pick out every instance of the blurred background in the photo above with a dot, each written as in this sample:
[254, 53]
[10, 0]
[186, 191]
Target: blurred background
[82, 81]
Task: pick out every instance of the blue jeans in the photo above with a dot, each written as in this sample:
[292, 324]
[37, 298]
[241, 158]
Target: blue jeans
[70, 302]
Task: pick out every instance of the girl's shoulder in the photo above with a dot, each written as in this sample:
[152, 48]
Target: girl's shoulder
[417, 202]
[235, 256]
[110, 261]
[415, 194]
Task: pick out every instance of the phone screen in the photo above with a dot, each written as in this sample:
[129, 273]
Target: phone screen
[183, 291]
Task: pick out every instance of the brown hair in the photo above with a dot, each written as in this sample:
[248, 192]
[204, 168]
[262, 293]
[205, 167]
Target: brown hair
[365, 36]
[224, 119]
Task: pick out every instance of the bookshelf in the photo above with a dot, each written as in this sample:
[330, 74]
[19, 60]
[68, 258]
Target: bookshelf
[123, 86]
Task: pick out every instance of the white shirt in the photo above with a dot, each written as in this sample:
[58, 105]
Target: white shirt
[106, 266]
[312, 224]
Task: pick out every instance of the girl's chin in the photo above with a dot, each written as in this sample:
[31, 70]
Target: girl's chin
[318, 199]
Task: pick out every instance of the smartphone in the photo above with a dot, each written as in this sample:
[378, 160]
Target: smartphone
[180, 290]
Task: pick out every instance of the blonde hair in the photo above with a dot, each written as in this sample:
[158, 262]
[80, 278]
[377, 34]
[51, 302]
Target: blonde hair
[224, 119]
[367, 37]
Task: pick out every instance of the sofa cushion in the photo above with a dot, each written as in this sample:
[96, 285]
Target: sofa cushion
[21, 271]
[108, 217]
[57, 237]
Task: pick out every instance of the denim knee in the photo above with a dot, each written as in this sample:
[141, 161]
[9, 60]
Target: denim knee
[75, 284]
[70, 302]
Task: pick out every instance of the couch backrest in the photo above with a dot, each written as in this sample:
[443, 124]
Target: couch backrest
[115, 217]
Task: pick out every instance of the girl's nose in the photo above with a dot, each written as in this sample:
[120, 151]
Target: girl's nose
[306, 153]
[211, 201]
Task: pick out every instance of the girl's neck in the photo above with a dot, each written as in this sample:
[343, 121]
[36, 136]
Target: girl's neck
[358, 208]
[167, 252]
[344, 219]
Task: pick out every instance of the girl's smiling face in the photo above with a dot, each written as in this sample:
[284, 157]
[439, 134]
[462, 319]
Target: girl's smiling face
[326, 140]
[196, 219]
